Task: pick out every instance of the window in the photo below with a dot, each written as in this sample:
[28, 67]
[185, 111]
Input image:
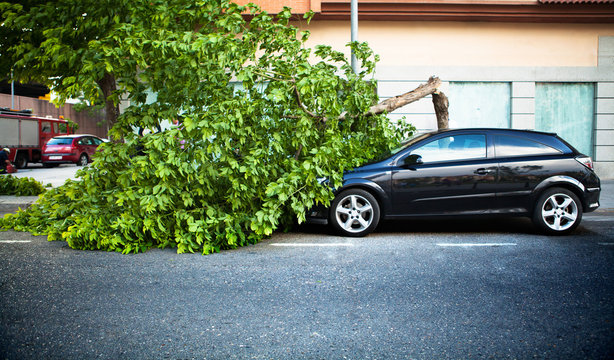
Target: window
[508, 146]
[85, 141]
[459, 147]
[46, 127]
[60, 141]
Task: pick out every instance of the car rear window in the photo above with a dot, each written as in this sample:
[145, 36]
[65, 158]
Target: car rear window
[60, 141]
[509, 146]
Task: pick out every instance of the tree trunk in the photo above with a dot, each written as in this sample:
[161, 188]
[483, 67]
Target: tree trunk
[108, 86]
[440, 102]
[389, 105]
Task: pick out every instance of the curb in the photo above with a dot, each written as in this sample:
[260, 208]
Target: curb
[12, 203]
[11, 208]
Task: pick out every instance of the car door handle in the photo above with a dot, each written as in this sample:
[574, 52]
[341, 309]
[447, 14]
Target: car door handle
[482, 171]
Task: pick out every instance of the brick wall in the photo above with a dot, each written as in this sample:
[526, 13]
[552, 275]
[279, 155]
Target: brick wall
[88, 123]
[274, 6]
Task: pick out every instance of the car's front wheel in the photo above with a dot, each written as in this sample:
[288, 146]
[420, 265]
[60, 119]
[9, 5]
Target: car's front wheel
[354, 212]
[557, 211]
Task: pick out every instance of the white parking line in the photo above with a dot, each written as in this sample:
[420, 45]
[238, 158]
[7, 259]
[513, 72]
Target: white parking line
[606, 244]
[475, 244]
[14, 241]
[312, 244]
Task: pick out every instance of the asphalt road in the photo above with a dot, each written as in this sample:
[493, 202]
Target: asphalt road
[428, 290]
[420, 290]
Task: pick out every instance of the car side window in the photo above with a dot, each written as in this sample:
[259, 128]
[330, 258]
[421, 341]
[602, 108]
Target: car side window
[450, 148]
[96, 141]
[510, 146]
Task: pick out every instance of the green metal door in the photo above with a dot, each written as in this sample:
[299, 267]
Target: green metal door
[568, 110]
[479, 104]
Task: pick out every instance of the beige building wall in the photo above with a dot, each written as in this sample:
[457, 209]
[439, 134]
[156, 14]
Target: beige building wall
[400, 43]
[523, 55]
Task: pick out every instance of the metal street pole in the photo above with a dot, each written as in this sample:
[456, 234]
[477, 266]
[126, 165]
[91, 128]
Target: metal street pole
[354, 24]
[12, 91]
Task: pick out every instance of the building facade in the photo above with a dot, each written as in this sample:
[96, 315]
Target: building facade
[544, 65]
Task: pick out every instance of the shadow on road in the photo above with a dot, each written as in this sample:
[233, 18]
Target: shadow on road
[519, 225]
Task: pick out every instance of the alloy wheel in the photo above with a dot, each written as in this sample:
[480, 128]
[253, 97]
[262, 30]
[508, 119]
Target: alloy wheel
[354, 213]
[559, 212]
[83, 160]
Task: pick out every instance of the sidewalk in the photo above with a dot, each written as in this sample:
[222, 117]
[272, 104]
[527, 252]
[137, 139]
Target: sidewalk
[606, 198]
[11, 203]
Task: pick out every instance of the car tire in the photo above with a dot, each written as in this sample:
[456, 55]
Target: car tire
[354, 212]
[21, 161]
[558, 211]
[83, 160]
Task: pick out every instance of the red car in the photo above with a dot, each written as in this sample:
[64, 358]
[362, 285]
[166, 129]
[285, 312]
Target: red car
[77, 149]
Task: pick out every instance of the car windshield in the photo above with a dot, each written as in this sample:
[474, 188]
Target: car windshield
[60, 141]
[402, 146]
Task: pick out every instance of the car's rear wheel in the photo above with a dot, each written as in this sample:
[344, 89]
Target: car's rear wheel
[557, 211]
[354, 212]
[82, 160]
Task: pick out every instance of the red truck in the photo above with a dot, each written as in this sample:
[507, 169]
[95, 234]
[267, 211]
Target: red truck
[25, 134]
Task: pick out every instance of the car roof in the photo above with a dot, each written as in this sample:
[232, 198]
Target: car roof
[549, 138]
[505, 130]
[72, 136]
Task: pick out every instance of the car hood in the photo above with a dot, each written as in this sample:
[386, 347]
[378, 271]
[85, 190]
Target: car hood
[376, 166]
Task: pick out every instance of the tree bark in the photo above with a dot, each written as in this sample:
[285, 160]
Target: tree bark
[389, 105]
[409, 97]
[441, 103]
[108, 86]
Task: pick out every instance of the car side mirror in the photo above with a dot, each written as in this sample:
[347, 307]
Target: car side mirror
[412, 159]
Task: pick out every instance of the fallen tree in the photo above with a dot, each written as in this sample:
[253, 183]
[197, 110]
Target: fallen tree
[260, 122]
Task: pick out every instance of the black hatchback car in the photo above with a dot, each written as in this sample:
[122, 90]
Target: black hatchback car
[468, 172]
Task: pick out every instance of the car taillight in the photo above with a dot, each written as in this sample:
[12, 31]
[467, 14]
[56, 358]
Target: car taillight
[586, 161]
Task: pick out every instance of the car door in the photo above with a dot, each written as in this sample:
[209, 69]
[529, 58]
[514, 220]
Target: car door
[92, 145]
[450, 174]
[81, 144]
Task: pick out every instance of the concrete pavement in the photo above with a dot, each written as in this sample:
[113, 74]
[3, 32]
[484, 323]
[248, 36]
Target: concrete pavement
[55, 177]
[607, 196]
